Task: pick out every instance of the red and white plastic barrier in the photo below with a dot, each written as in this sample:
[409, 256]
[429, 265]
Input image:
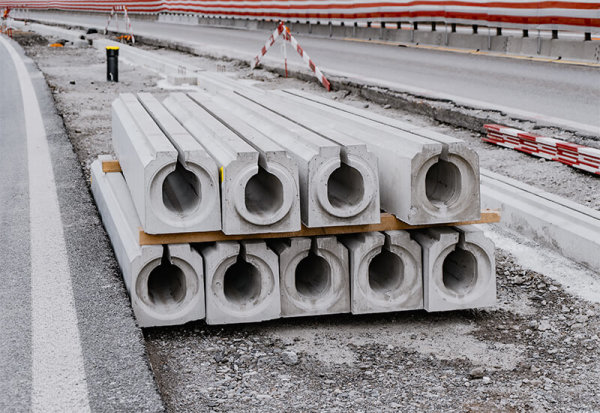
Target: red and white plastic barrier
[580, 15]
[577, 156]
[114, 13]
[283, 31]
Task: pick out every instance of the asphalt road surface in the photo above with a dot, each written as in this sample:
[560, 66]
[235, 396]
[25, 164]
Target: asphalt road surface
[562, 91]
[68, 340]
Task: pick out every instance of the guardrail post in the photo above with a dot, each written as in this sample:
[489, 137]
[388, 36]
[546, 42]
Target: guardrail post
[498, 31]
[554, 34]
[433, 27]
[525, 33]
[475, 28]
[453, 27]
[587, 37]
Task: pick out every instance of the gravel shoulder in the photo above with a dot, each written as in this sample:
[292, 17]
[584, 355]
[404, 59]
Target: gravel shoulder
[536, 350]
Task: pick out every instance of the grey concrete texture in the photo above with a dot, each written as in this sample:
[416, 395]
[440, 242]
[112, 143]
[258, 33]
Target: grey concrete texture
[165, 283]
[338, 177]
[385, 272]
[459, 270]
[314, 276]
[448, 187]
[172, 180]
[548, 219]
[272, 195]
[242, 282]
[424, 177]
[259, 184]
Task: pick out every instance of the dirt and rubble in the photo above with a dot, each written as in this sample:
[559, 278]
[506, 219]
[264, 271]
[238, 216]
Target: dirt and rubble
[536, 350]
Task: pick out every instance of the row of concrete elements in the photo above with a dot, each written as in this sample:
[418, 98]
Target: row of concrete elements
[236, 282]
[282, 158]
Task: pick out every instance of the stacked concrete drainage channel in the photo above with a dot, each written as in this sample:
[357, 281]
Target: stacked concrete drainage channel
[252, 163]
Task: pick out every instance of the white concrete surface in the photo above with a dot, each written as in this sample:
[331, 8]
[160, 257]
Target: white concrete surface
[172, 192]
[385, 271]
[337, 185]
[191, 191]
[570, 228]
[352, 185]
[242, 282]
[314, 276]
[459, 270]
[257, 194]
[425, 177]
[165, 283]
[272, 195]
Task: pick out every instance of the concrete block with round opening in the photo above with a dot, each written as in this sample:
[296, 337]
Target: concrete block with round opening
[425, 177]
[259, 182]
[165, 283]
[459, 270]
[337, 177]
[314, 276]
[172, 180]
[385, 272]
[242, 282]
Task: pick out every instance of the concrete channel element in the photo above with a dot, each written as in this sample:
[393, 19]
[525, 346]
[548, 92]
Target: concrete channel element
[172, 180]
[459, 269]
[385, 272]
[338, 179]
[558, 223]
[242, 282]
[165, 283]
[314, 276]
[259, 183]
[425, 177]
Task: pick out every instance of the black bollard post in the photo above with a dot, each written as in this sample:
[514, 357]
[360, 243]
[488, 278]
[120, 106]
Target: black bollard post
[112, 63]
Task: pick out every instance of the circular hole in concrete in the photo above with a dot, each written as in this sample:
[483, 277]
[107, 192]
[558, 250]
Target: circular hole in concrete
[459, 271]
[345, 187]
[166, 285]
[264, 193]
[241, 283]
[442, 183]
[313, 276]
[386, 272]
[181, 190]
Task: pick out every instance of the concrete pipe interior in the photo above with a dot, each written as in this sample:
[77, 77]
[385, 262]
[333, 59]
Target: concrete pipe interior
[386, 272]
[345, 187]
[459, 271]
[442, 183]
[264, 193]
[313, 276]
[166, 285]
[242, 283]
[181, 190]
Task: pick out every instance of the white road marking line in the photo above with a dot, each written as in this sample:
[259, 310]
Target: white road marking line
[59, 382]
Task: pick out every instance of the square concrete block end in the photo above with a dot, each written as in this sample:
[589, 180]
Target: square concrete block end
[386, 272]
[459, 270]
[314, 276]
[242, 283]
[168, 288]
[165, 283]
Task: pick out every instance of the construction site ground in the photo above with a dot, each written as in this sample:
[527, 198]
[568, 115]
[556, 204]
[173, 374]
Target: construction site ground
[536, 350]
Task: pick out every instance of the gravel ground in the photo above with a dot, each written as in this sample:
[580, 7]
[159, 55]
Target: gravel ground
[536, 350]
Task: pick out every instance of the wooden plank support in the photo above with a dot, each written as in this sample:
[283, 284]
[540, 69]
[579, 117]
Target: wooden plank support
[388, 223]
[111, 166]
